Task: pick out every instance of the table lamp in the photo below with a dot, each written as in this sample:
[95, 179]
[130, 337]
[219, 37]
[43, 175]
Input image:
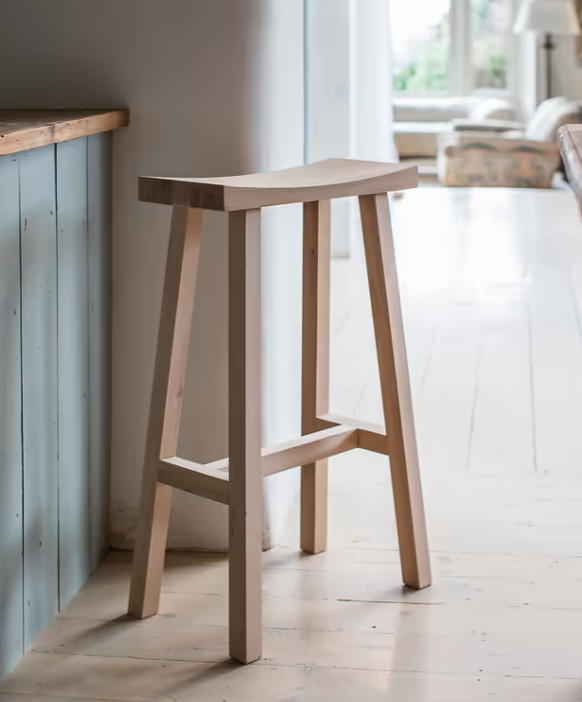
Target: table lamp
[548, 17]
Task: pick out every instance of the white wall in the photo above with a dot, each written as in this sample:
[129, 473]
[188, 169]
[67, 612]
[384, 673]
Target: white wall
[566, 69]
[329, 96]
[215, 87]
[371, 104]
[531, 87]
[282, 141]
[526, 76]
[531, 82]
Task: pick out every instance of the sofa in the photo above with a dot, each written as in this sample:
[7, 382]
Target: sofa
[485, 161]
[505, 153]
[419, 122]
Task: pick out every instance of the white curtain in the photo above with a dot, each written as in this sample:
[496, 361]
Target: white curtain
[349, 82]
[348, 89]
[348, 114]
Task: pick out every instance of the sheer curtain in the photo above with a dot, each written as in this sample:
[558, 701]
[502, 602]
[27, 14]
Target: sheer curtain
[348, 90]
[348, 114]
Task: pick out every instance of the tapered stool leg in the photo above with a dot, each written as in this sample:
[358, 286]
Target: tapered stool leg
[246, 493]
[315, 367]
[165, 408]
[396, 394]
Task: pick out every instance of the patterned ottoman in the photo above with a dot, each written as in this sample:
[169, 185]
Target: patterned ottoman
[482, 160]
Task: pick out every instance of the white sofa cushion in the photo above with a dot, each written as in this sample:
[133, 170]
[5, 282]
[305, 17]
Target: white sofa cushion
[494, 108]
[432, 109]
[550, 116]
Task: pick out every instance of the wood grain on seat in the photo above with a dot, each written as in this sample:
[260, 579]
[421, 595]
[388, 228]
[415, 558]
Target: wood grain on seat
[324, 180]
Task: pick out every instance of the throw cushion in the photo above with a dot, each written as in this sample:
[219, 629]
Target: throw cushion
[550, 116]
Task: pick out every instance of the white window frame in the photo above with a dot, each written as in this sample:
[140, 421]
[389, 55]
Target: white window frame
[460, 78]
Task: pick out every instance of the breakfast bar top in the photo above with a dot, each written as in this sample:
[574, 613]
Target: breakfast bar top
[570, 138]
[28, 129]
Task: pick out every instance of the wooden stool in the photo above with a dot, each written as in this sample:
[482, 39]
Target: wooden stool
[237, 480]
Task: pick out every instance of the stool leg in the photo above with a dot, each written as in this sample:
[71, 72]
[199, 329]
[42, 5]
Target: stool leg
[165, 408]
[245, 479]
[315, 381]
[396, 395]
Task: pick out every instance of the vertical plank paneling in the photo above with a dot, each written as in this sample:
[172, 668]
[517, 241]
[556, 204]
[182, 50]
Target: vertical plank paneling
[11, 621]
[39, 388]
[74, 511]
[55, 374]
[99, 251]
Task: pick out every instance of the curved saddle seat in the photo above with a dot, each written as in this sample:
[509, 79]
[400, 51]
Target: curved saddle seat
[323, 180]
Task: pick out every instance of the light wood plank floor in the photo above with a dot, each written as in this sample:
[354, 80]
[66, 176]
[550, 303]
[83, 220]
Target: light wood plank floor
[492, 290]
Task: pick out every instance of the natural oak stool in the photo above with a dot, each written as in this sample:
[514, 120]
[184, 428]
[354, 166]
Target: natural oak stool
[237, 480]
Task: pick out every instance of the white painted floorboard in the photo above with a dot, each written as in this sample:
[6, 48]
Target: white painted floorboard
[492, 290]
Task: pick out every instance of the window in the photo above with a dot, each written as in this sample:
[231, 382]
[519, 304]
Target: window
[421, 44]
[490, 23]
[454, 47]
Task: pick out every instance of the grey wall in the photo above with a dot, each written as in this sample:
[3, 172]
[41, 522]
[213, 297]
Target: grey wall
[214, 88]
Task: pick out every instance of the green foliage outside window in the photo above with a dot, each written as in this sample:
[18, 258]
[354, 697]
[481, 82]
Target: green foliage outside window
[429, 70]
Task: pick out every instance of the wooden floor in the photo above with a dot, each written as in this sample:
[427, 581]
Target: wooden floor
[492, 288]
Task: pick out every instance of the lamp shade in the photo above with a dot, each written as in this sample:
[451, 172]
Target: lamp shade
[547, 16]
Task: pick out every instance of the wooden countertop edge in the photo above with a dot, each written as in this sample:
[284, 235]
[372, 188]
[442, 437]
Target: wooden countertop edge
[53, 132]
[572, 158]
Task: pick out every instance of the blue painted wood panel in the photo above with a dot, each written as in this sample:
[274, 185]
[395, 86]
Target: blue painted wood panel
[11, 519]
[99, 257]
[55, 381]
[39, 389]
[73, 367]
